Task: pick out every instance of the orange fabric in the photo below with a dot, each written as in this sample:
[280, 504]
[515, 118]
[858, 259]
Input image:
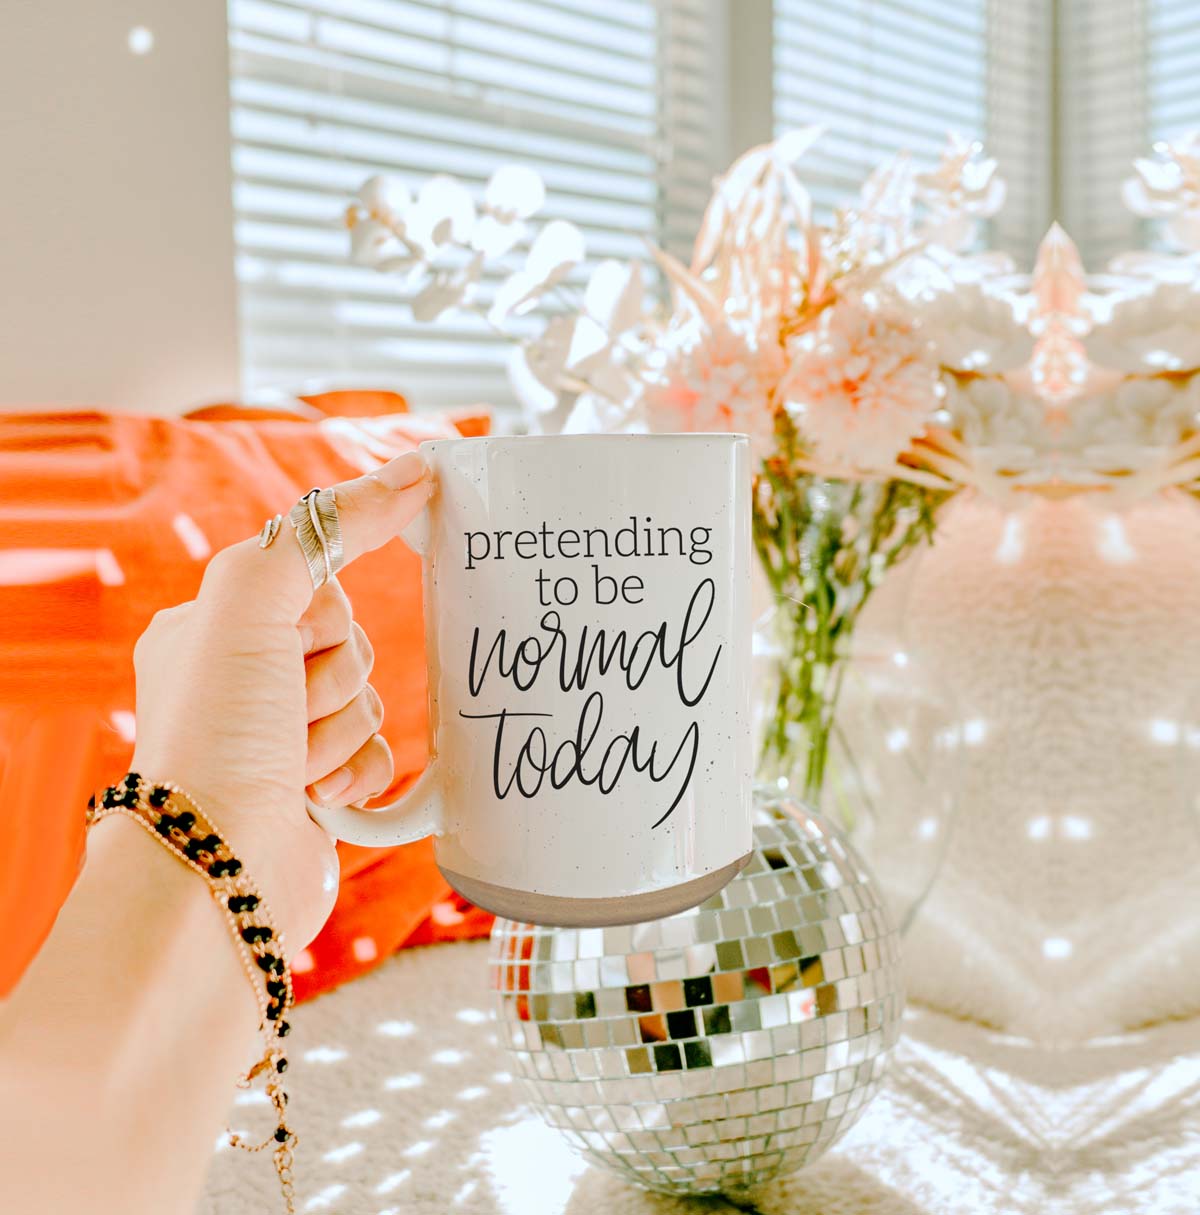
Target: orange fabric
[356, 403]
[467, 422]
[115, 516]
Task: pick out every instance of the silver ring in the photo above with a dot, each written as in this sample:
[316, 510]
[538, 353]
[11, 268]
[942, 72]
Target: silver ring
[319, 534]
[270, 530]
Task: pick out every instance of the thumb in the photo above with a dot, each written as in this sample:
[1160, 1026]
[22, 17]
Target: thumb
[372, 509]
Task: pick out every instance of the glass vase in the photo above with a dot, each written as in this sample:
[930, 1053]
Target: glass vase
[858, 727]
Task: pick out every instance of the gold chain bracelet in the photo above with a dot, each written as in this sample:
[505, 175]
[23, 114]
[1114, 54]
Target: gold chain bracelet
[173, 818]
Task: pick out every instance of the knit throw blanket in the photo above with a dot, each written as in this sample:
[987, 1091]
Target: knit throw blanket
[405, 1103]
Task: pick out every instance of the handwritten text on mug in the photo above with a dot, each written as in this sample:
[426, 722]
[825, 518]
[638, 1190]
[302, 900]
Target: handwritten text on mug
[527, 749]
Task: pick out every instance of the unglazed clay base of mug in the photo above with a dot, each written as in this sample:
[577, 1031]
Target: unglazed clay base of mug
[558, 912]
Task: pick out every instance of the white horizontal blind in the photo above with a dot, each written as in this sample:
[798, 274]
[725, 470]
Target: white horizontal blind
[1172, 67]
[610, 103]
[888, 75]
[1019, 130]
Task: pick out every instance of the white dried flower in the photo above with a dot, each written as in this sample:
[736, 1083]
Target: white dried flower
[1151, 326]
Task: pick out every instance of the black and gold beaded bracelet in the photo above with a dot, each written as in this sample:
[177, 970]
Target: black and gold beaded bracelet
[173, 817]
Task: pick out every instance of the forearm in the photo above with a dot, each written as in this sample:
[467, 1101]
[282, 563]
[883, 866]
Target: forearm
[120, 1048]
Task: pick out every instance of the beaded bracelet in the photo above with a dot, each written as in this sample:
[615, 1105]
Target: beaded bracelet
[173, 818]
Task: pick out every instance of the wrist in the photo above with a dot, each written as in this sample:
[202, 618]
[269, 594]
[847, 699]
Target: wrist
[290, 859]
[293, 863]
[166, 892]
[172, 817]
[99, 1039]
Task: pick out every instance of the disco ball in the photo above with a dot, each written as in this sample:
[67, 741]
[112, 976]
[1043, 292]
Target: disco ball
[710, 1051]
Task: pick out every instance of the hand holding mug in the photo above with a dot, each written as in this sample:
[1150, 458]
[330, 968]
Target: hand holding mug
[587, 613]
[259, 688]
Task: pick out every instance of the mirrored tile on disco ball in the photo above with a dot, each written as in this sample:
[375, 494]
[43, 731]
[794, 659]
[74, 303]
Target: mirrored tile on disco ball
[735, 1041]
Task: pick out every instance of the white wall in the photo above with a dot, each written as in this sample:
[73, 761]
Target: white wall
[116, 229]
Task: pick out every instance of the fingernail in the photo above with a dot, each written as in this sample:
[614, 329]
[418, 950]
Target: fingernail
[329, 787]
[306, 638]
[403, 471]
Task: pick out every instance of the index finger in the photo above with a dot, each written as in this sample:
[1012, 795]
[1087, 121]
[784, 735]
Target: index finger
[372, 509]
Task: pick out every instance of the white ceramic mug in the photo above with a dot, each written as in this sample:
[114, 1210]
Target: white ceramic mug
[587, 618]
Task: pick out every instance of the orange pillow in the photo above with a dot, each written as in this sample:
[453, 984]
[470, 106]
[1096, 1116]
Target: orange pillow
[109, 517]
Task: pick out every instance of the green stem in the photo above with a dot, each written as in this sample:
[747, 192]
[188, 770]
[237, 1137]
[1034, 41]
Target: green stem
[825, 546]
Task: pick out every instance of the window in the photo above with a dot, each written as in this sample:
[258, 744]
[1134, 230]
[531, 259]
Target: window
[1173, 63]
[1131, 72]
[628, 109]
[880, 75]
[886, 75]
[611, 103]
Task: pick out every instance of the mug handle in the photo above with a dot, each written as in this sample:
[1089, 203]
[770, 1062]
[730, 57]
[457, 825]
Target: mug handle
[412, 816]
[415, 814]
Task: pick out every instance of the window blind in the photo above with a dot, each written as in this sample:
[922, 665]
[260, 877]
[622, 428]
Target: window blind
[1019, 129]
[886, 75]
[1172, 67]
[610, 103]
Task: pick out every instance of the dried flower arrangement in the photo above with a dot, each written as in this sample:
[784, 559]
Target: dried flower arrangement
[880, 363]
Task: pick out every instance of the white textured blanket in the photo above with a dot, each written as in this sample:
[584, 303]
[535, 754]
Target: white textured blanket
[405, 1104]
